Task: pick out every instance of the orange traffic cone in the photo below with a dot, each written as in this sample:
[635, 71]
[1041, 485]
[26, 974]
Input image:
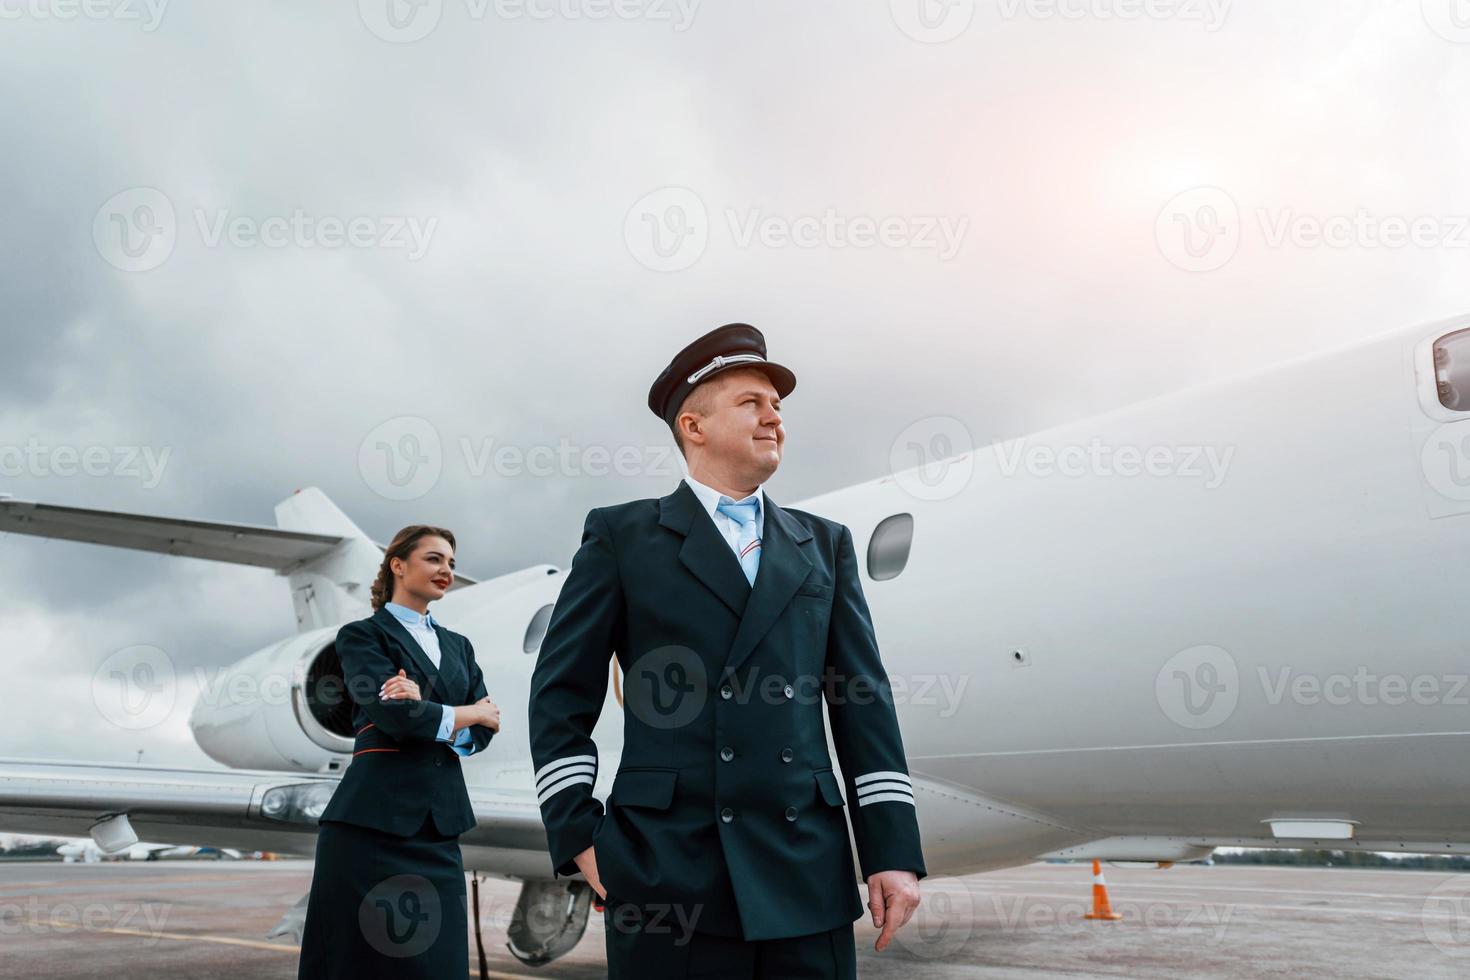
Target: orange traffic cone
[1101, 908]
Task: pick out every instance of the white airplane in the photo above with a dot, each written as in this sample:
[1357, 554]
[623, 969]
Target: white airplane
[86, 851]
[1230, 616]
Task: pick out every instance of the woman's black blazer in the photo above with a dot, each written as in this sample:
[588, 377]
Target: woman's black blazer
[399, 771]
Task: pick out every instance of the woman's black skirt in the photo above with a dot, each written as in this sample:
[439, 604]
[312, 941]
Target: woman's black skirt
[385, 906]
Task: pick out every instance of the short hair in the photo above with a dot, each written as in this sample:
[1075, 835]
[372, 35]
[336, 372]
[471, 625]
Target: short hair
[698, 401]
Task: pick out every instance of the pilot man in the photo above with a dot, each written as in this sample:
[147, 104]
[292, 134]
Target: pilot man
[724, 849]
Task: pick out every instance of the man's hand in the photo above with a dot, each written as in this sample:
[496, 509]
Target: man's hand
[489, 713]
[400, 688]
[587, 862]
[892, 898]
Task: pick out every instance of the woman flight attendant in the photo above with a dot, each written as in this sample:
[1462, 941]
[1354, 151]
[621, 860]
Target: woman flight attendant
[387, 893]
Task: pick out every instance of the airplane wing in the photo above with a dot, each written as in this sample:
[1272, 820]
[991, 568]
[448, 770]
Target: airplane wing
[238, 544]
[248, 810]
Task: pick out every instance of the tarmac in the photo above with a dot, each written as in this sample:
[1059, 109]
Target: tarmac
[204, 919]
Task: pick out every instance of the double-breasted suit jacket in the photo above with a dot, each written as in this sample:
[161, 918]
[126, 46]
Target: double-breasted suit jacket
[725, 800]
[399, 770]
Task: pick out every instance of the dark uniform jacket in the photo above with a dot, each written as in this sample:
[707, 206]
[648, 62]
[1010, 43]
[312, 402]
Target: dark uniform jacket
[399, 770]
[725, 800]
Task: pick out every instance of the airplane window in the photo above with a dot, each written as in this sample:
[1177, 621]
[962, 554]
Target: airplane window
[888, 551]
[1452, 370]
[536, 629]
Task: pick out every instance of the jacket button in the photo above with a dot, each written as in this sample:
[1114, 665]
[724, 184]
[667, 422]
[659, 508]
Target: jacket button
[787, 755]
[726, 693]
[727, 753]
[727, 814]
[438, 762]
[789, 692]
[791, 813]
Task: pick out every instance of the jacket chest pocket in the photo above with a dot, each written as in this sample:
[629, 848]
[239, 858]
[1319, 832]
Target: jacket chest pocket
[815, 590]
[653, 788]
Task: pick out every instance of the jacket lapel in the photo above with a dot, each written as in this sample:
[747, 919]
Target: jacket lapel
[783, 568]
[707, 555]
[704, 552]
[390, 625]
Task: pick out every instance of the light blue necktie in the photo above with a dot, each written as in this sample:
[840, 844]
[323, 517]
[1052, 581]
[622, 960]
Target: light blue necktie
[748, 548]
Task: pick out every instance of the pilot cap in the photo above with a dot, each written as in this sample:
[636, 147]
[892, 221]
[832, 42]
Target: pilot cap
[735, 345]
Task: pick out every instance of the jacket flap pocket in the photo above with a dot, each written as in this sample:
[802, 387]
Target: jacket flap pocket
[816, 589]
[644, 787]
[827, 782]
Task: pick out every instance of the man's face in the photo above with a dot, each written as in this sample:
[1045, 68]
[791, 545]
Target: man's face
[741, 424]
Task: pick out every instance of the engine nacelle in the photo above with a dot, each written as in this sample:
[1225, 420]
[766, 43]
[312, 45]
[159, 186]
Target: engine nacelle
[281, 708]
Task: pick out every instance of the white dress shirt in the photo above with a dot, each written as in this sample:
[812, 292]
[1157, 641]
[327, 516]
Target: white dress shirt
[420, 626]
[727, 526]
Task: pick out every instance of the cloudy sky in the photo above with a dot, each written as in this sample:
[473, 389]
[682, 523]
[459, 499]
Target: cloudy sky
[241, 241]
